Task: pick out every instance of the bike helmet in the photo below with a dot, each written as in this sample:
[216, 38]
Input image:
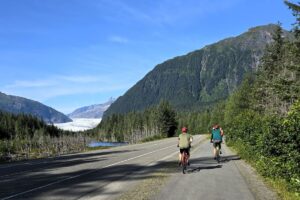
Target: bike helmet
[184, 129]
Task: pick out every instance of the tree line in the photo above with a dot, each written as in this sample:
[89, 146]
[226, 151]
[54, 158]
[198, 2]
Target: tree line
[25, 136]
[157, 121]
[262, 118]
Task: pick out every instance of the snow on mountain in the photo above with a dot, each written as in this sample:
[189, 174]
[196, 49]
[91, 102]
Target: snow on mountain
[93, 111]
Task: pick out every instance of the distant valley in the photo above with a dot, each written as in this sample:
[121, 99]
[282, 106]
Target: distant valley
[86, 117]
[83, 118]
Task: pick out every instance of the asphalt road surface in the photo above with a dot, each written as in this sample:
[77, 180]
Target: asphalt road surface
[107, 174]
[231, 179]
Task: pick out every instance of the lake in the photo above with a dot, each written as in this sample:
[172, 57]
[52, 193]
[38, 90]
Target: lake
[107, 144]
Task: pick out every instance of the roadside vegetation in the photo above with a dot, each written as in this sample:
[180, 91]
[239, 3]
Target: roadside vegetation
[27, 137]
[262, 118]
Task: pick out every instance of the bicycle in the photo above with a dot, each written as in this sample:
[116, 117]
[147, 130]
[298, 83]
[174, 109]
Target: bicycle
[184, 161]
[217, 147]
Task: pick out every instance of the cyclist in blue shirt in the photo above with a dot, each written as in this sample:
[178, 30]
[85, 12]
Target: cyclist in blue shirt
[216, 138]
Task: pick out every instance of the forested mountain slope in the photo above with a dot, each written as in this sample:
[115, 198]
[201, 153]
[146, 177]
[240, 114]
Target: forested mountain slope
[17, 105]
[200, 78]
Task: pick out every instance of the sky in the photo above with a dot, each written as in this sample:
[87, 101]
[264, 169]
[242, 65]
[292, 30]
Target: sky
[72, 53]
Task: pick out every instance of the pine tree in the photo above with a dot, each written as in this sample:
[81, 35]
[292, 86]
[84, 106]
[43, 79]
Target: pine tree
[292, 60]
[240, 100]
[296, 12]
[166, 119]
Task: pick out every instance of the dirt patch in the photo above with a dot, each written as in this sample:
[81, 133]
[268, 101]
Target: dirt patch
[148, 188]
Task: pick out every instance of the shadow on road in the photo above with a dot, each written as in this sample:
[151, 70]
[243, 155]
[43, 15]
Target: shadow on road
[229, 158]
[208, 163]
[210, 160]
[193, 170]
[48, 181]
[50, 163]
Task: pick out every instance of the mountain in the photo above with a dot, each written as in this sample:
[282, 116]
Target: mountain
[16, 105]
[200, 78]
[93, 111]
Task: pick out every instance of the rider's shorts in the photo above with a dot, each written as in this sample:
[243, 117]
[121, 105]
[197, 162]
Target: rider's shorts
[217, 143]
[187, 150]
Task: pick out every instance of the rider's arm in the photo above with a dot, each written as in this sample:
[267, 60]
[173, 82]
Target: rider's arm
[190, 141]
[222, 134]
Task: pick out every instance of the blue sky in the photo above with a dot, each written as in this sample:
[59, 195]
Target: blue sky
[72, 53]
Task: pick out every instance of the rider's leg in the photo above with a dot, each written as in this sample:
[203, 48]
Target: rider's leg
[180, 156]
[215, 150]
[188, 156]
[218, 145]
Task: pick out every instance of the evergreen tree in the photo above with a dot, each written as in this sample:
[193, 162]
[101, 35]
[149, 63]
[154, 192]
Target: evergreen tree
[296, 12]
[277, 86]
[272, 59]
[240, 100]
[166, 119]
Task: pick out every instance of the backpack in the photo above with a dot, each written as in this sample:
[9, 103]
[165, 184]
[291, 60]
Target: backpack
[184, 140]
[216, 134]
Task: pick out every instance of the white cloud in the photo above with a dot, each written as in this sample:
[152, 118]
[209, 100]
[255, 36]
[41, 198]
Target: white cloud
[166, 12]
[62, 85]
[53, 81]
[31, 84]
[80, 79]
[118, 39]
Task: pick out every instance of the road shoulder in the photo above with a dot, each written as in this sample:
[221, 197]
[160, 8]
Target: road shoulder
[255, 182]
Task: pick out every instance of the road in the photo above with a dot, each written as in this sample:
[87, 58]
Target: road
[231, 179]
[107, 174]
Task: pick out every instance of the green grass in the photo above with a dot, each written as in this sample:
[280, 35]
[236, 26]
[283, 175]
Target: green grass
[281, 186]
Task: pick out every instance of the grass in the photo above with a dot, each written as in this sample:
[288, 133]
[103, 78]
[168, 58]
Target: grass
[281, 186]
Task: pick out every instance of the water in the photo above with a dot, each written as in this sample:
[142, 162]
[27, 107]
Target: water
[107, 144]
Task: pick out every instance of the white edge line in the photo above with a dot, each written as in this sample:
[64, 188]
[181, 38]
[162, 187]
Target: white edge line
[6, 165]
[72, 177]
